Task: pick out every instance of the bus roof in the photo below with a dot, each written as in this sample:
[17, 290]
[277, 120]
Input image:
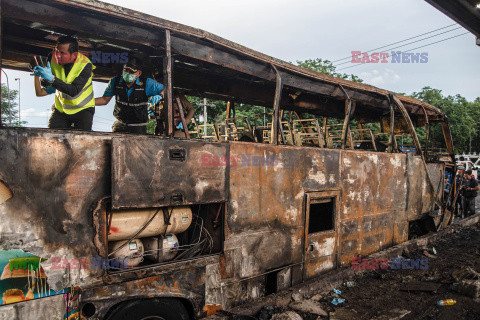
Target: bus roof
[205, 64]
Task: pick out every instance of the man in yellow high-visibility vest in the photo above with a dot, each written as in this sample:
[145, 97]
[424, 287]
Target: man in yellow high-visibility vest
[70, 78]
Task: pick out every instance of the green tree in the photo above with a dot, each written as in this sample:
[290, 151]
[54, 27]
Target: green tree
[216, 109]
[326, 67]
[10, 115]
[462, 116]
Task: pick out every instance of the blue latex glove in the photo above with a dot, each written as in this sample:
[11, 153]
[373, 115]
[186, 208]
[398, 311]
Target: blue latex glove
[180, 126]
[154, 100]
[44, 72]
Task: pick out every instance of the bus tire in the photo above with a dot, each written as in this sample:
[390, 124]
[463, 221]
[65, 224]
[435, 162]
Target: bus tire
[150, 309]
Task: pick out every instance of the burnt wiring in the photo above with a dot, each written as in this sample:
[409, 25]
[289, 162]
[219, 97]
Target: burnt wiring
[204, 245]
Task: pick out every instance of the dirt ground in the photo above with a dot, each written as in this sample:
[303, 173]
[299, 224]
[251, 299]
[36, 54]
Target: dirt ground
[376, 294]
[387, 294]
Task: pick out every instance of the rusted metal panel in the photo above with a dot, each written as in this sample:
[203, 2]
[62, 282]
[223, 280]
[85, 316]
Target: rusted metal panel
[436, 171]
[284, 279]
[322, 169]
[420, 199]
[377, 232]
[237, 293]
[265, 208]
[319, 266]
[270, 211]
[374, 189]
[151, 172]
[373, 183]
[57, 179]
[400, 233]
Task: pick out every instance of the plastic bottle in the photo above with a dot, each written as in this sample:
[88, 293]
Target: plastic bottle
[448, 302]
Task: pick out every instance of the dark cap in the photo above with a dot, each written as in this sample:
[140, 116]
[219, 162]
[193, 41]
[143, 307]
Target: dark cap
[133, 65]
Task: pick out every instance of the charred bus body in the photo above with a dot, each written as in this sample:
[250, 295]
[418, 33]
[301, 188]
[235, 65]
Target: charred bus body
[107, 224]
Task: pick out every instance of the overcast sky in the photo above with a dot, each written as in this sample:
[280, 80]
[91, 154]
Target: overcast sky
[307, 29]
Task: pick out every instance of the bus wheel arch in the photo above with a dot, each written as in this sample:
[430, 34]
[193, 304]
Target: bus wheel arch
[165, 308]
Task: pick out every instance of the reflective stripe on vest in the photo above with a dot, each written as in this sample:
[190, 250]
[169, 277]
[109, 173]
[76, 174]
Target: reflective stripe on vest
[85, 98]
[129, 104]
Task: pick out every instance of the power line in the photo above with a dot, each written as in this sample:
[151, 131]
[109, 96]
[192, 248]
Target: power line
[429, 44]
[406, 44]
[458, 35]
[391, 44]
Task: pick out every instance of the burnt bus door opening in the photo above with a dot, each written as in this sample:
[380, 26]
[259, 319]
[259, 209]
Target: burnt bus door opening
[321, 231]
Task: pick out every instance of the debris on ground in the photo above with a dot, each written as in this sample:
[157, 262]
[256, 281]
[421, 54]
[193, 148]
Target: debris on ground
[297, 296]
[421, 287]
[447, 302]
[451, 274]
[287, 315]
[308, 306]
[465, 273]
[429, 255]
[337, 301]
[394, 314]
[316, 297]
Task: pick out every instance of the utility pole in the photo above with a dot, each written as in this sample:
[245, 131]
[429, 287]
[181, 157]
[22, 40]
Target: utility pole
[204, 110]
[19, 115]
[205, 105]
[9, 101]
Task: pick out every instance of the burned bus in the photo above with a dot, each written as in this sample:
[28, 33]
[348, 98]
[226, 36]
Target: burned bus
[114, 226]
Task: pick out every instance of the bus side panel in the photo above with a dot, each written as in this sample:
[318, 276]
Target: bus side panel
[374, 200]
[46, 226]
[420, 198]
[265, 217]
[149, 172]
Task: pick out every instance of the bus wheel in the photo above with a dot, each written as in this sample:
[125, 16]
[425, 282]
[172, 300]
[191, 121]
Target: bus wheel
[150, 309]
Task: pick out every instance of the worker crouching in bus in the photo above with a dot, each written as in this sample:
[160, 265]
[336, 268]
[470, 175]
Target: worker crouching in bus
[70, 75]
[132, 94]
[179, 130]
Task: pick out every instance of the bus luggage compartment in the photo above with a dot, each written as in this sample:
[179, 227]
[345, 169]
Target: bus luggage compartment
[150, 172]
